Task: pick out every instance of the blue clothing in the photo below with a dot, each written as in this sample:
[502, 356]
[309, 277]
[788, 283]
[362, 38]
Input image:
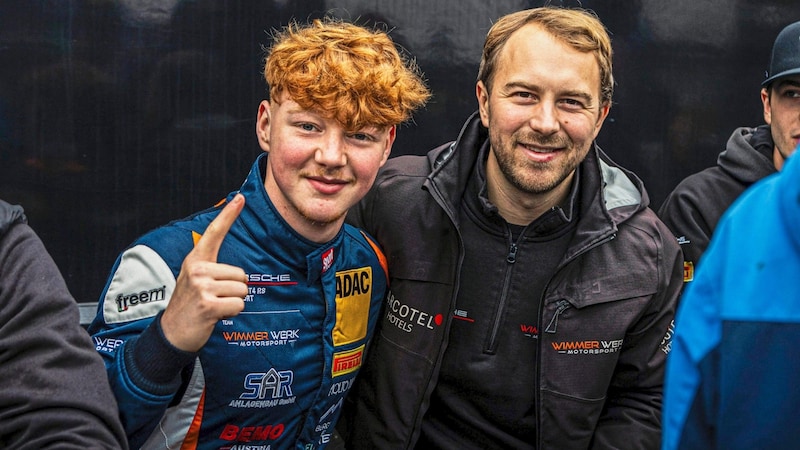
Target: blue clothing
[732, 375]
[273, 376]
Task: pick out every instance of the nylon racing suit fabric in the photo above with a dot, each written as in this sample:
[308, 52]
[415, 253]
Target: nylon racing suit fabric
[273, 376]
[604, 319]
[731, 379]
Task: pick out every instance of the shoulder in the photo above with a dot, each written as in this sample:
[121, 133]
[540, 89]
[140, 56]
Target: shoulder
[708, 192]
[407, 167]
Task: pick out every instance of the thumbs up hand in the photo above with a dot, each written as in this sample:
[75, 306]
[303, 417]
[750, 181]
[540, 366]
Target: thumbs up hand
[205, 291]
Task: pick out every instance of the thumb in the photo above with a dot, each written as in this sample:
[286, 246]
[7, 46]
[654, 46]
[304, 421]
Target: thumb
[208, 246]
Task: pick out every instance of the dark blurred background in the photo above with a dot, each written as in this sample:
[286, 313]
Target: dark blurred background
[117, 116]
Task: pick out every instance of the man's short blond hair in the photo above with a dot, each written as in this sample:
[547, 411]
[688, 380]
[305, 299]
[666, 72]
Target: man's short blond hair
[578, 28]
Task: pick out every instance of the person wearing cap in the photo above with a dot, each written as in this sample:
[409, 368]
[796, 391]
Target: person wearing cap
[693, 209]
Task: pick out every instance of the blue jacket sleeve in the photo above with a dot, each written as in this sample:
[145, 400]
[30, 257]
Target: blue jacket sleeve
[143, 368]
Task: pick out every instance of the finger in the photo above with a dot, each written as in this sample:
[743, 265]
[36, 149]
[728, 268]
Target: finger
[231, 286]
[208, 246]
[229, 307]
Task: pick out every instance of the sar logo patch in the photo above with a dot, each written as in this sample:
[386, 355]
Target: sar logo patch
[353, 296]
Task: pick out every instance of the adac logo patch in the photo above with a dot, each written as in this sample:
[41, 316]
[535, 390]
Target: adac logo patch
[353, 298]
[347, 362]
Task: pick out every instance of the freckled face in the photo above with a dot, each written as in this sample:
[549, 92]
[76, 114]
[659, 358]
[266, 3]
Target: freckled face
[782, 113]
[543, 111]
[316, 170]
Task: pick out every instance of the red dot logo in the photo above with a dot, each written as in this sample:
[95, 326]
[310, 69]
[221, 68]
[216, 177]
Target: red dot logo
[438, 319]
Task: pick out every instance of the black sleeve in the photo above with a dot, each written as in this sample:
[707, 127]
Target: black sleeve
[55, 392]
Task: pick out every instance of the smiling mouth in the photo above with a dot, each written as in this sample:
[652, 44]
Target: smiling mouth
[539, 149]
[327, 186]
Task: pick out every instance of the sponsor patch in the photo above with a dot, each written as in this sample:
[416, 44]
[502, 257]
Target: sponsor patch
[140, 287]
[666, 343]
[688, 271]
[327, 260]
[353, 297]
[346, 362]
[236, 433]
[407, 318]
[590, 347]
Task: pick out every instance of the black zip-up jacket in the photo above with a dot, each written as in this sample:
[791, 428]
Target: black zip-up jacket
[605, 317]
[694, 207]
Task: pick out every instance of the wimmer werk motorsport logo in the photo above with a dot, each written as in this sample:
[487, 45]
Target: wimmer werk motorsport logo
[587, 347]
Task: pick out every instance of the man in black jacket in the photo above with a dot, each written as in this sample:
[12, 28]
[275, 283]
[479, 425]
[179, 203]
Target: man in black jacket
[531, 288]
[55, 391]
[696, 204]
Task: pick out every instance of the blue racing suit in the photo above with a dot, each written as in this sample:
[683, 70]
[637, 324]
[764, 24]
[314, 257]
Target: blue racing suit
[272, 377]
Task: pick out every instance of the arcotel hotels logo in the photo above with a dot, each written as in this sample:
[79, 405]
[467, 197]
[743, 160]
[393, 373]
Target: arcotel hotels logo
[406, 318]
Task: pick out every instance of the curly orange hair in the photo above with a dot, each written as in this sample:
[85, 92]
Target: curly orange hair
[346, 72]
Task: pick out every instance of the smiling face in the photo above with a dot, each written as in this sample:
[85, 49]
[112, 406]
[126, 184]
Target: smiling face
[316, 170]
[782, 113]
[543, 111]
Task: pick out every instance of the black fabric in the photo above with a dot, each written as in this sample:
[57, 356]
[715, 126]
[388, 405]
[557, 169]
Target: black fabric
[494, 334]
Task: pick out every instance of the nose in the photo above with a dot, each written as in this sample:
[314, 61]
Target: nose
[544, 119]
[332, 152]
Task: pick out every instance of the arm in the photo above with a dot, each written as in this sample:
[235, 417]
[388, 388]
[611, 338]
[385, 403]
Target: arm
[151, 324]
[688, 221]
[55, 393]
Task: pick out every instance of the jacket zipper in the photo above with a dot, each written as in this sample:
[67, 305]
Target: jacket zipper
[511, 258]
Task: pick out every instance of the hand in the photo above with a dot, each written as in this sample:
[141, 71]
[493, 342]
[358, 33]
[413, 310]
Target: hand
[205, 291]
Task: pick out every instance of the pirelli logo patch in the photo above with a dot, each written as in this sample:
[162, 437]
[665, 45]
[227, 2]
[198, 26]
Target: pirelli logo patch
[353, 296]
[346, 362]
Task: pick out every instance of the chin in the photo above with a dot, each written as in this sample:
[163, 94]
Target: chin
[323, 220]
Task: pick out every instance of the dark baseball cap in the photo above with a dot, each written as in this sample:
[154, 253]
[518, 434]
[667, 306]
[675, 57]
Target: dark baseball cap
[785, 58]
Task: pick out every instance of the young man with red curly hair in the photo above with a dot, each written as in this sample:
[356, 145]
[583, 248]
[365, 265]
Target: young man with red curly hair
[245, 324]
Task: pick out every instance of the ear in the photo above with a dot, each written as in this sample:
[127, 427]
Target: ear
[262, 125]
[390, 137]
[483, 102]
[603, 113]
[767, 106]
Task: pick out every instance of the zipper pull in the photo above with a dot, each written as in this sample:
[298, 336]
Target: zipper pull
[561, 306]
[512, 254]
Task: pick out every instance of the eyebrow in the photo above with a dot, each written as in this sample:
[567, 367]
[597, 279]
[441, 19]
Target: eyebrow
[587, 98]
[789, 81]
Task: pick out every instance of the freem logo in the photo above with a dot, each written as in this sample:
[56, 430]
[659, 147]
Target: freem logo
[130, 300]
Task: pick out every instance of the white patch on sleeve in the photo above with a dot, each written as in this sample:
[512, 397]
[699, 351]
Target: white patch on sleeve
[141, 286]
